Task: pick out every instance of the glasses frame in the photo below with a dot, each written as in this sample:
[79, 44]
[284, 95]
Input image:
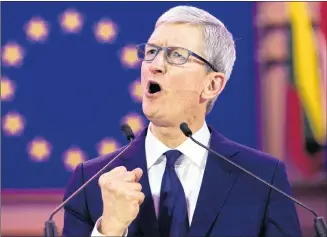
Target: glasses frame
[165, 49]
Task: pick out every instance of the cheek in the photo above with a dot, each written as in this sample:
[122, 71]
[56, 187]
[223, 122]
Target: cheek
[189, 83]
[186, 92]
[143, 69]
[144, 74]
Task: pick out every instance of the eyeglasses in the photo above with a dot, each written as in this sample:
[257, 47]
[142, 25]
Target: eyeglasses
[174, 55]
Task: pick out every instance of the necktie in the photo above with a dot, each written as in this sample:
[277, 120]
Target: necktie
[173, 216]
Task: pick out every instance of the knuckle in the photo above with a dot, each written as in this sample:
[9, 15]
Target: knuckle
[140, 185]
[141, 197]
[101, 181]
[121, 168]
[130, 174]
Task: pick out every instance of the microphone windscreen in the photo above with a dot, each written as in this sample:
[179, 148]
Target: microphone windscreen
[128, 132]
[185, 129]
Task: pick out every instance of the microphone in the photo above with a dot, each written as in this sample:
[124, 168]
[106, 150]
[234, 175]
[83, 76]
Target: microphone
[319, 222]
[50, 229]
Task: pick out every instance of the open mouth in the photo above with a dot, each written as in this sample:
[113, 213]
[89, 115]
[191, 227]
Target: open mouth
[153, 87]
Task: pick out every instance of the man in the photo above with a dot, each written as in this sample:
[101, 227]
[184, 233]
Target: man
[164, 184]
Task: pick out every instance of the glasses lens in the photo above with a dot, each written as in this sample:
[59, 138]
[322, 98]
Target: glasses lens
[146, 52]
[177, 55]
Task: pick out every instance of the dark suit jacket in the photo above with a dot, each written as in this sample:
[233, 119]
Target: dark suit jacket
[230, 203]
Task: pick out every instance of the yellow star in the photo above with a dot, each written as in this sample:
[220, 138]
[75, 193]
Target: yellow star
[73, 157]
[37, 29]
[107, 146]
[7, 89]
[12, 54]
[13, 124]
[39, 149]
[71, 21]
[136, 91]
[129, 56]
[105, 31]
[135, 121]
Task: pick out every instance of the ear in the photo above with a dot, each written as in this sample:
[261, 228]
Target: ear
[214, 85]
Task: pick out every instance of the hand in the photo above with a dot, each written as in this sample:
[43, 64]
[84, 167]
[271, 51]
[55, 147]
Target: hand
[122, 197]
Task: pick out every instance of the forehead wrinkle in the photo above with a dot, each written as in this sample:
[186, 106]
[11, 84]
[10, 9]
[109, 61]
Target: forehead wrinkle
[161, 38]
[157, 42]
[172, 40]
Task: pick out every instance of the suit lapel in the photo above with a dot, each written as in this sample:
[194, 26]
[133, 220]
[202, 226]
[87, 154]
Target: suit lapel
[218, 180]
[135, 157]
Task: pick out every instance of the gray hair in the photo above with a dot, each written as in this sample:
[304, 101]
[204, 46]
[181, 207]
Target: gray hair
[219, 43]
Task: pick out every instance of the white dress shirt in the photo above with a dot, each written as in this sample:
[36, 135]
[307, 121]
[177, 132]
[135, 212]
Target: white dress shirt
[189, 168]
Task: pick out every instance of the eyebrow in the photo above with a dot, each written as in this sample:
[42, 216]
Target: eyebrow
[170, 45]
[155, 43]
[165, 44]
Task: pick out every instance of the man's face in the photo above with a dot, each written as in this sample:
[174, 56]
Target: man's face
[179, 97]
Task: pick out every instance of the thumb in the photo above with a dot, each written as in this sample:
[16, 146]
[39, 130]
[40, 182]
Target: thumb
[138, 174]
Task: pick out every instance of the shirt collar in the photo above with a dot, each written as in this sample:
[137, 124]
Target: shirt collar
[154, 148]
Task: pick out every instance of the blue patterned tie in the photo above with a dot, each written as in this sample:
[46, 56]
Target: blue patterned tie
[173, 216]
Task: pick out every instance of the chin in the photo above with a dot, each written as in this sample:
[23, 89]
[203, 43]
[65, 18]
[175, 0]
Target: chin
[159, 116]
[149, 109]
[152, 113]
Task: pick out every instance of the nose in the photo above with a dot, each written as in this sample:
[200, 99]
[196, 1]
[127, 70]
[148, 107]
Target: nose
[158, 64]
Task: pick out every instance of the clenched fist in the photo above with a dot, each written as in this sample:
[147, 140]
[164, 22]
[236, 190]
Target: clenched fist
[122, 197]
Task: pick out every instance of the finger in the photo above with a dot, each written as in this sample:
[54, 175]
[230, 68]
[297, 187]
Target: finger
[141, 198]
[119, 169]
[127, 176]
[138, 174]
[133, 186]
[136, 206]
[135, 196]
[107, 176]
